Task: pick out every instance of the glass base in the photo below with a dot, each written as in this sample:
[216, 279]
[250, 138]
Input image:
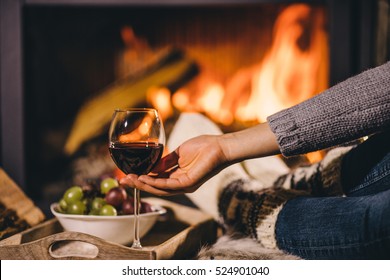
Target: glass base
[136, 245]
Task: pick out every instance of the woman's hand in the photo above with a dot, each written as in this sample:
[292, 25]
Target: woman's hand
[185, 169]
[200, 158]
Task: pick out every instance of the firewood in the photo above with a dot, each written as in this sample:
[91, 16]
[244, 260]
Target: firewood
[8, 232]
[94, 116]
[10, 223]
[15, 201]
[17, 211]
[7, 218]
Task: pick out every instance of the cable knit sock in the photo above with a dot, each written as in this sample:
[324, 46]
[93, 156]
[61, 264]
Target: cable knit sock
[190, 125]
[254, 213]
[319, 179]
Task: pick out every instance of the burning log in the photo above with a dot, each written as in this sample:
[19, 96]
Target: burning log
[171, 70]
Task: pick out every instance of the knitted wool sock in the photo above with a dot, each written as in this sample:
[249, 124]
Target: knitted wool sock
[319, 179]
[254, 213]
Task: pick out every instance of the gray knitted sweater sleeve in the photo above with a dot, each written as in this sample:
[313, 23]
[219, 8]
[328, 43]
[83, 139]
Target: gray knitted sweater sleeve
[356, 107]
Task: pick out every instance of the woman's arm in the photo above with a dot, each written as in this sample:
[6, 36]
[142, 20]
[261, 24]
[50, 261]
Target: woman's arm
[253, 142]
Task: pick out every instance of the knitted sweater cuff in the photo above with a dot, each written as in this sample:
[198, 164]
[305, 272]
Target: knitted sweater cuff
[284, 127]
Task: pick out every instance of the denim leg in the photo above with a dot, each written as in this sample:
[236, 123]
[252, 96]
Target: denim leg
[377, 180]
[366, 169]
[336, 227]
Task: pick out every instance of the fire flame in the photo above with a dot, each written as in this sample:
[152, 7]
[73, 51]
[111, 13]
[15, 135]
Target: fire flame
[294, 69]
[160, 98]
[290, 72]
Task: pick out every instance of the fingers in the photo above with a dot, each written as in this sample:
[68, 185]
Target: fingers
[172, 186]
[156, 191]
[128, 180]
[166, 163]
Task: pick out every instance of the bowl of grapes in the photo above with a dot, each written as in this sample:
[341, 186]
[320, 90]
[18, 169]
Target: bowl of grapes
[105, 210]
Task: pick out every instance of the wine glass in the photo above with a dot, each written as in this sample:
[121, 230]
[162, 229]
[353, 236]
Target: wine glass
[136, 143]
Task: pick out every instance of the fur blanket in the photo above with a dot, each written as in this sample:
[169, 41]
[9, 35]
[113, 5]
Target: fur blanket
[230, 247]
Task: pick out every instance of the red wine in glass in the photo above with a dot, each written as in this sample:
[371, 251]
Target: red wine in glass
[136, 157]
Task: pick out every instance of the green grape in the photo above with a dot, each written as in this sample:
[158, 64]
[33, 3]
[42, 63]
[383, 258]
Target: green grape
[107, 184]
[77, 208]
[108, 210]
[97, 203]
[63, 205]
[73, 194]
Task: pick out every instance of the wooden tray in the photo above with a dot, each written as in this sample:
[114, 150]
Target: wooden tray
[177, 235]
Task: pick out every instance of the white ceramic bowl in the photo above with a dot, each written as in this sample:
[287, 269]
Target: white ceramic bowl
[119, 229]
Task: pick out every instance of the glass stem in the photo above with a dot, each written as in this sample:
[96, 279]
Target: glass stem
[136, 242]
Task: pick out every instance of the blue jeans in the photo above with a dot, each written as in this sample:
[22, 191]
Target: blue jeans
[355, 226]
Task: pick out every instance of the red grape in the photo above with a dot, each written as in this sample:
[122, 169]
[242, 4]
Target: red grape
[145, 207]
[128, 206]
[116, 196]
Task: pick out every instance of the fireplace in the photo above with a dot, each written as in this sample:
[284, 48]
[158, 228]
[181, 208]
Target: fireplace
[58, 55]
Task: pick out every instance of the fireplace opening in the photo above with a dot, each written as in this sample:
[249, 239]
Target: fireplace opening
[225, 61]
[244, 62]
